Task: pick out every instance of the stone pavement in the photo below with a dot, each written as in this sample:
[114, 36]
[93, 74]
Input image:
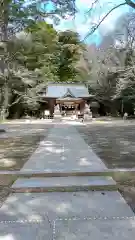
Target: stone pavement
[81, 215]
[64, 150]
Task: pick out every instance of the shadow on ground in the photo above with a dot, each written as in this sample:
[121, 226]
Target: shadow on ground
[48, 207]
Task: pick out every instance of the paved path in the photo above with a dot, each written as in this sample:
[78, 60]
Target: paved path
[64, 150]
[80, 215]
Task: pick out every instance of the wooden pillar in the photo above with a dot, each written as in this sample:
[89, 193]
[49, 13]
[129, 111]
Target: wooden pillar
[76, 108]
[82, 106]
[51, 106]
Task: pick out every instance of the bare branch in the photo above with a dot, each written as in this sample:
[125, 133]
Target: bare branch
[88, 12]
[97, 26]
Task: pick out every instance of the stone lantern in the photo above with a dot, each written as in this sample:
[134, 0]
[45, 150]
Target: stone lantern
[57, 113]
[87, 113]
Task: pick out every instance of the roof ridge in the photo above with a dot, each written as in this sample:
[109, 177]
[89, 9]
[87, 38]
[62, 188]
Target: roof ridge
[60, 83]
[68, 92]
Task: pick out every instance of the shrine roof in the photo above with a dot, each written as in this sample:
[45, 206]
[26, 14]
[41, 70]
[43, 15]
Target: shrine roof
[66, 90]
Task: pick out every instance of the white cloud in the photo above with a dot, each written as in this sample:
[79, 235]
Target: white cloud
[110, 21]
[83, 4]
[49, 20]
[81, 28]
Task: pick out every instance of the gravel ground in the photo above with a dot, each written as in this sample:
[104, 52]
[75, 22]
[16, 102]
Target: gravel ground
[16, 146]
[115, 145]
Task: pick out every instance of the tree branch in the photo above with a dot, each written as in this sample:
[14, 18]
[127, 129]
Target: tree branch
[130, 3]
[21, 96]
[17, 100]
[92, 5]
[97, 26]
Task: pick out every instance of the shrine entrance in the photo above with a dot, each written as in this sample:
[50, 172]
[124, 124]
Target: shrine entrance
[68, 110]
[69, 106]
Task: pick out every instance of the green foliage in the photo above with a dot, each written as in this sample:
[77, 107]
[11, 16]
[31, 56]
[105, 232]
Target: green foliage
[70, 51]
[37, 54]
[55, 54]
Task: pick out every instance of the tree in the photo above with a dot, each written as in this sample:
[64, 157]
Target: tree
[55, 54]
[34, 58]
[70, 50]
[113, 68]
[16, 15]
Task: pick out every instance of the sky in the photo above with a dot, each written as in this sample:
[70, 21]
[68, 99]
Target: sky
[82, 23]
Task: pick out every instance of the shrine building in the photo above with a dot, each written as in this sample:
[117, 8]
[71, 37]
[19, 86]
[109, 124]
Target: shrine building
[70, 97]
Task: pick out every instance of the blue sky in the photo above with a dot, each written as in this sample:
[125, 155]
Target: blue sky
[83, 24]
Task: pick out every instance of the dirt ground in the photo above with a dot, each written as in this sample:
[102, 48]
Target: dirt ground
[16, 146]
[115, 145]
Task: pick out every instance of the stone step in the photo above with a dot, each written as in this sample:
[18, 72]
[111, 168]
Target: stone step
[121, 173]
[57, 184]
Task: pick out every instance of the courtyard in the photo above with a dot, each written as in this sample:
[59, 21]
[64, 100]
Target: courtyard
[112, 141]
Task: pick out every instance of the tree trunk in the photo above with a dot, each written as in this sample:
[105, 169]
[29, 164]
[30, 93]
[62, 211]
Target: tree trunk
[4, 108]
[4, 9]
